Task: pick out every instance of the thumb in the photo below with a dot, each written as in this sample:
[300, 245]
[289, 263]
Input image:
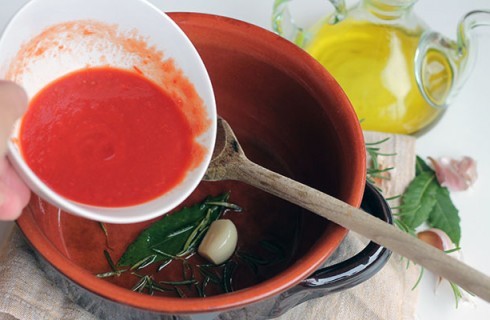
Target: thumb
[13, 102]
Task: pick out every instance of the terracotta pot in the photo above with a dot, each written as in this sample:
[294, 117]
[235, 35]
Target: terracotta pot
[290, 116]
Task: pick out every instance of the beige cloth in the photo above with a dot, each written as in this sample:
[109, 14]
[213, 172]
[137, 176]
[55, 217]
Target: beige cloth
[25, 292]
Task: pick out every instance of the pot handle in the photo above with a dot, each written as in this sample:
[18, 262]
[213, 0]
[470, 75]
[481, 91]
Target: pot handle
[330, 279]
[363, 265]
[340, 276]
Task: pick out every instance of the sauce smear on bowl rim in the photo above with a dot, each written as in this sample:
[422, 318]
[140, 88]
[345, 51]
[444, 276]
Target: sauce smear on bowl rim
[107, 137]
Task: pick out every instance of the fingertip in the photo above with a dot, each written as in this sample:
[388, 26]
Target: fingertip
[14, 195]
[11, 210]
[11, 206]
[14, 96]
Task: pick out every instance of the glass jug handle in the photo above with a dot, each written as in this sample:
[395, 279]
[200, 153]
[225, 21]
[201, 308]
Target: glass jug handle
[284, 24]
[443, 65]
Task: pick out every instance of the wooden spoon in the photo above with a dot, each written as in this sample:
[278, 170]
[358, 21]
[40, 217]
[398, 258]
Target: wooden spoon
[230, 163]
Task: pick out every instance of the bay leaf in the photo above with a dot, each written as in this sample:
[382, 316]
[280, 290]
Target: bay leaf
[425, 200]
[419, 199]
[170, 234]
[445, 216]
[421, 166]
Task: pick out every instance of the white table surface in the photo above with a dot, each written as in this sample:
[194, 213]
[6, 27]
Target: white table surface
[464, 130]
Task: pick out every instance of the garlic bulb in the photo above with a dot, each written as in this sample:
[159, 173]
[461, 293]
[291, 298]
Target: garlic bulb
[220, 241]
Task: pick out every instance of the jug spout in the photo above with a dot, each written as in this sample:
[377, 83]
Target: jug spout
[389, 9]
[284, 24]
[443, 65]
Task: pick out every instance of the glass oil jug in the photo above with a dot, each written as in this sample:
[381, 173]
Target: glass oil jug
[399, 76]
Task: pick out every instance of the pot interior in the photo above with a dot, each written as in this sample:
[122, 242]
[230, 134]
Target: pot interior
[271, 94]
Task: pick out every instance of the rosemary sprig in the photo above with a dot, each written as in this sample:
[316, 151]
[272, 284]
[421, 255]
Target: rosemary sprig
[199, 290]
[205, 283]
[114, 271]
[179, 283]
[106, 234]
[187, 270]
[404, 227]
[159, 288]
[274, 248]
[109, 260]
[144, 262]
[164, 264]
[419, 278]
[226, 205]
[147, 282]
[208, 273]
[254, 259]
[104, 229]
[141, 284]
[374, 171]
[230, 268]
[165, 254]
[194, 237]
[109, 274]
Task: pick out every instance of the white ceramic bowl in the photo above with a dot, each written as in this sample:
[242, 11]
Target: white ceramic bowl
[118, 33]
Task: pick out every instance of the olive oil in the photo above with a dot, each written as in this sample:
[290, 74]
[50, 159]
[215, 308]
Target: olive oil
[374, 64]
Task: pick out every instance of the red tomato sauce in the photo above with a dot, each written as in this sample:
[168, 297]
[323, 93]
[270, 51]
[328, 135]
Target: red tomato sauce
[107, 137]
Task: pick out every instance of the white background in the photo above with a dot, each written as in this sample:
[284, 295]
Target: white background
[464, 130]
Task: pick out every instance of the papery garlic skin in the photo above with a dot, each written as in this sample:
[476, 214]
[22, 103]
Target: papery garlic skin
[220, 241]
[456, 175]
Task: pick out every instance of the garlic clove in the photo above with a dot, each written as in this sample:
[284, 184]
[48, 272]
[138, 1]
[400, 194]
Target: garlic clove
[456, 175]
[220, 241]
[440, 240]
[437, 238]
[433, 238]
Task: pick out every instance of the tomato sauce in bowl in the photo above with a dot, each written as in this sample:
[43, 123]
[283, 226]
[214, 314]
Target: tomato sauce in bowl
[107, 137]
[116, 167]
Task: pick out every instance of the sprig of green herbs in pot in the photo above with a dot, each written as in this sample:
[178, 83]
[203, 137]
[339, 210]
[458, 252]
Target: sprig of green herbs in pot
[176, 238]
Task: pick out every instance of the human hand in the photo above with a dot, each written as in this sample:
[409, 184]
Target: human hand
[14, 194]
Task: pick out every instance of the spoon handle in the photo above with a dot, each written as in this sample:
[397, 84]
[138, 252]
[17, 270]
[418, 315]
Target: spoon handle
[364, 224]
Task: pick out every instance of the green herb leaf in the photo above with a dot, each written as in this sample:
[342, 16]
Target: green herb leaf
[445, 216]
[425, 200]
[419, 200]
[172, 232]
[421, 166]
